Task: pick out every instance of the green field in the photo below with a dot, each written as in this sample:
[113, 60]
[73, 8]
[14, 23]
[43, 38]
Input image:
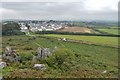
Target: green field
[88, 60]
[105, 41]
[110, 31]
[115, 27]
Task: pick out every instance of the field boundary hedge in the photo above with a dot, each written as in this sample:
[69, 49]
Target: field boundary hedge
[72, 33]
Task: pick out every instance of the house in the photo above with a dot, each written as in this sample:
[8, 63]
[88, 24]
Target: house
[23, 27]
[42, 26]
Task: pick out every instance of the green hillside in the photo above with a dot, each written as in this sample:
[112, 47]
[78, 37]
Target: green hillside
[83, 61]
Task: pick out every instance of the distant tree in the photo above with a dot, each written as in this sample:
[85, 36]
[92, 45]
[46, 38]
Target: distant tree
[11, 28]
[28, 26]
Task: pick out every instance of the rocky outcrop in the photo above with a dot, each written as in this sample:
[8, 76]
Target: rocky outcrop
[39, 66]
[43, 53]
[3, 64]
[11, 55]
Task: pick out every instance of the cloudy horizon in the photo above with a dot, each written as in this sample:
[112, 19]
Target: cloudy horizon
[82, 10]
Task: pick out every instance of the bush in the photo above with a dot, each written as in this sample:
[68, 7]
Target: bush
[27, 48]
[25, 64]
[26, 56]
[62, 59]
[11, 28]
[9, 39]
[22, 67]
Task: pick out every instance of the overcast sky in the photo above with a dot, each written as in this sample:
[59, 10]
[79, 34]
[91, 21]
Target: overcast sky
[60, 10]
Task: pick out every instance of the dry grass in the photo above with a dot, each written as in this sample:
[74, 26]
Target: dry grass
[76, 29]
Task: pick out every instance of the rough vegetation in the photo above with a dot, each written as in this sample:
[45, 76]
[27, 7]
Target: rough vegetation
[70, 60]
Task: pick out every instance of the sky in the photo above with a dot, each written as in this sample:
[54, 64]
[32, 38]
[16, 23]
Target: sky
[59, 10]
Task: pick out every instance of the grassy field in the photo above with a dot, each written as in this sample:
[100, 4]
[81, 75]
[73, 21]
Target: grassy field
[89, 60]
[110, 31]
[115, 27]
[105, 41]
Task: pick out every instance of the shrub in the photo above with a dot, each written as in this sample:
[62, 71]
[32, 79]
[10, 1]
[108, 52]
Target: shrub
[26, 56]
[27, 48]
[10, 39]
[11, 28]
[22, 67]
[62, 59]
[25, 64]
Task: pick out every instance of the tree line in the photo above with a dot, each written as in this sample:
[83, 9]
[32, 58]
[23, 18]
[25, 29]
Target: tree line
[11, 28]
[73, 33]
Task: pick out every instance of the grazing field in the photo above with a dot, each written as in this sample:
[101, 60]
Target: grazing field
[77, 29]
[115, 27]
[110, 31]
[85, 61]
[100, 40]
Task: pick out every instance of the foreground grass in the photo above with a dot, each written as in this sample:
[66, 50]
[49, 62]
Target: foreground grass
[100, 40]
[89, 60]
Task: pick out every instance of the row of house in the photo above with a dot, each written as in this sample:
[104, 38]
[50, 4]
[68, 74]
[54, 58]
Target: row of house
[42, 26]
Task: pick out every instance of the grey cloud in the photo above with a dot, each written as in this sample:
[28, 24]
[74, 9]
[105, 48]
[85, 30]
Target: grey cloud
[55, 10]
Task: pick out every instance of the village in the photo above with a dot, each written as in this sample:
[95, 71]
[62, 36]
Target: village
[35, 26]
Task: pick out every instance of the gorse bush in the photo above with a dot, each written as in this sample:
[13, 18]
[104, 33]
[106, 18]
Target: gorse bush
[25, 64]
[61, 59]
[26, 56]
[27, 48]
